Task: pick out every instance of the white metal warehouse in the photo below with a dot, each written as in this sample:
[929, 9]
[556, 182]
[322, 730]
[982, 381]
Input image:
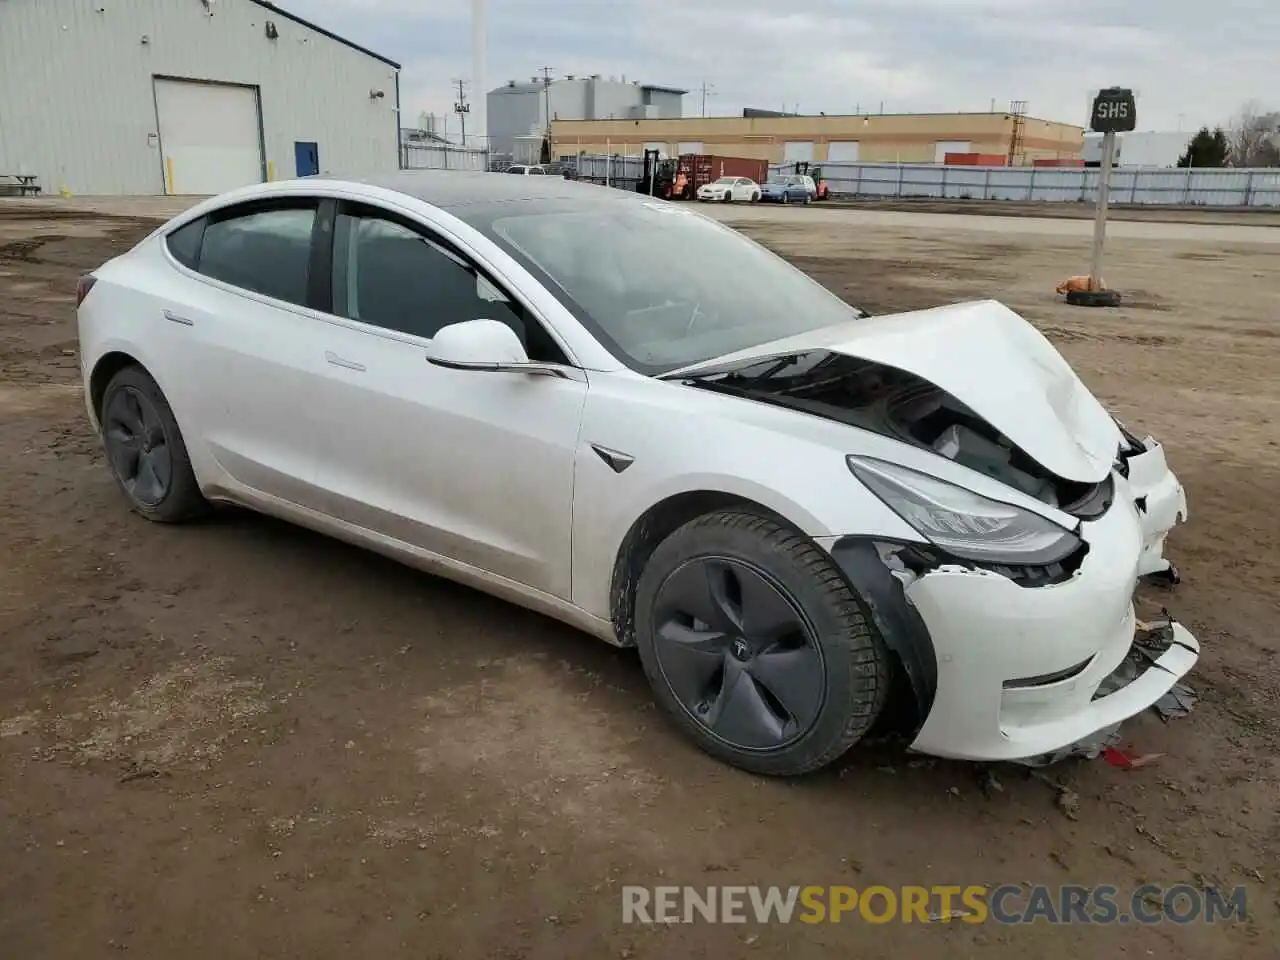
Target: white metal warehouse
[186, 96]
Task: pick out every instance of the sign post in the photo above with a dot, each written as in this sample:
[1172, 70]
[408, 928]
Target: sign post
[1114, 111]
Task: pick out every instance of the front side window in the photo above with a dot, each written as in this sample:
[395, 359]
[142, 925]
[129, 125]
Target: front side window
[389, 275]
[266, 249]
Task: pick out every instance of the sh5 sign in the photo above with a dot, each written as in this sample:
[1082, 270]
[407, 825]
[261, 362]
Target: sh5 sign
[1114, 111]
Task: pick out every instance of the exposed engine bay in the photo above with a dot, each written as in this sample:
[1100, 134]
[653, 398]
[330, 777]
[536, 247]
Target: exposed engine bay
[896, 403]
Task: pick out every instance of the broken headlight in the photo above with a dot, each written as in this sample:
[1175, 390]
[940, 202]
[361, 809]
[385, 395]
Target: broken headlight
[964, 523]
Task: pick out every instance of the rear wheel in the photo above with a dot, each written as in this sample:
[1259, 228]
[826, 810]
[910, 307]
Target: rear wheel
[756, 646]
[145, 449]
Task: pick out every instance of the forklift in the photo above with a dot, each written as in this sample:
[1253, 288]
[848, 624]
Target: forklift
[659, 176]
[805, 169]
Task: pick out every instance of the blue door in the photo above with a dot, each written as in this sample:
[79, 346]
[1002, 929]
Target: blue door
[306, 156]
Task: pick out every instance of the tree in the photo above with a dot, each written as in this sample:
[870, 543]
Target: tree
[1254, 138]
[1206, 149]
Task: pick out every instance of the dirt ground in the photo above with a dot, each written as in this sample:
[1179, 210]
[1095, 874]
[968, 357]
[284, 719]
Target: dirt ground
[242, 740]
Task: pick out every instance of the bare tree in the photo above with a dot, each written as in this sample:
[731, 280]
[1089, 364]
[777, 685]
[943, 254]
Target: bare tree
[1254, 137]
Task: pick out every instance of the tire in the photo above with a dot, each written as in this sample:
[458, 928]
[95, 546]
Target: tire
[145, 450]
[755, 198]
[727, 198]
[816, 638]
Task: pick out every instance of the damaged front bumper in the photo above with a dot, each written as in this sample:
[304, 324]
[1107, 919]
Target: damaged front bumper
[1007, 672]
[1159, 498]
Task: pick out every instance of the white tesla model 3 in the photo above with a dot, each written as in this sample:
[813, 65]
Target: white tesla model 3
[630, 417]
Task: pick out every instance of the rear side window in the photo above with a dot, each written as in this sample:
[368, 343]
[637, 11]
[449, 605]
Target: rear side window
[266, 249]
[184, 243]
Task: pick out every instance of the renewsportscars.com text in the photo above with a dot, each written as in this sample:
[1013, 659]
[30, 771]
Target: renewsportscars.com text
[1005, 904]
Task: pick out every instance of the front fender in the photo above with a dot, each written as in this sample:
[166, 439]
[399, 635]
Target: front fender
[666, 440]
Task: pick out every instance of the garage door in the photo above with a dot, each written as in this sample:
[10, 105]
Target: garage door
[210, 136]
[843, 151]
[796, 150]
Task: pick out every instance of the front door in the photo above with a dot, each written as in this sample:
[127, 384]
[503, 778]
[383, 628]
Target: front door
[475, 466]
[306, 158]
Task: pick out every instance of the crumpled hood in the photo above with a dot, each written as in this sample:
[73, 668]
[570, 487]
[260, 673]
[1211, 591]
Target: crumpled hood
[992, 360]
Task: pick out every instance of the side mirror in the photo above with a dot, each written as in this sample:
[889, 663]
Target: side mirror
[477, 345]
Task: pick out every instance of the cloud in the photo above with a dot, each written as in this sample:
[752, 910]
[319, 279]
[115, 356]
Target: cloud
[1191, 65]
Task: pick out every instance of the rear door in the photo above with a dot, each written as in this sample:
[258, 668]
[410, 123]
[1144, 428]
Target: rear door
[474, 466]
[246, 368]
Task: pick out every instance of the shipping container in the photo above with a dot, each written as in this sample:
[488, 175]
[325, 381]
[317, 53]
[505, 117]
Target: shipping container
[1058, 162]
[701, 168]
[976, 159]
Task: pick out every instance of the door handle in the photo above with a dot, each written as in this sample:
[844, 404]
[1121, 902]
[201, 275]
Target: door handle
[176, 318]
[338, 361]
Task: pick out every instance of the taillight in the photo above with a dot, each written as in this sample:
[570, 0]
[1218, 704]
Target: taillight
[83, 286]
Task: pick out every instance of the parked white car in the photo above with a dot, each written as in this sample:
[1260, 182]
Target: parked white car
[729, 189]
[628, 416]
[527, 170]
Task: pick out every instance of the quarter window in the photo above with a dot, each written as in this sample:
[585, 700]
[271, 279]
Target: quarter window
[184, 243]
[391, 276]
[266, 250]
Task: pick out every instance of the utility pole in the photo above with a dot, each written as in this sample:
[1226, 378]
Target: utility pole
[707, 90]
[546, 108]
[462, 108]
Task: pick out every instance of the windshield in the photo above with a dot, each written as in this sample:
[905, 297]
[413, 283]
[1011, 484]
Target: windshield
[663, 287]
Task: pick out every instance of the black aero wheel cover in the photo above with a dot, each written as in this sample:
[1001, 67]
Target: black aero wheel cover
[738, 653]
[137, 446]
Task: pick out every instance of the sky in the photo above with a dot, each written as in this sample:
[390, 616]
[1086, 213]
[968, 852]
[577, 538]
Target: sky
[1190, 63]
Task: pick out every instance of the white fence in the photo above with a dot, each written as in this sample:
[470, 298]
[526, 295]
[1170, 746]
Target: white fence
[1183, 187]
[442, 156]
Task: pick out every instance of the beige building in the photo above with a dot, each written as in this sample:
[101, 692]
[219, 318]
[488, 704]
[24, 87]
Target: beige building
[885, 138]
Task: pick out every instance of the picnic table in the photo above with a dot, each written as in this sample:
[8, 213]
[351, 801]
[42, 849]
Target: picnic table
[25, 183]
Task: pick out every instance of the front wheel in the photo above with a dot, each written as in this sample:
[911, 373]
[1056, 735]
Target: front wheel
[756, 646]
[727, 198]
